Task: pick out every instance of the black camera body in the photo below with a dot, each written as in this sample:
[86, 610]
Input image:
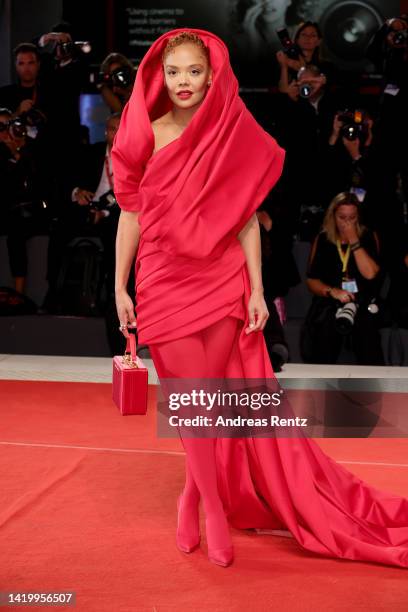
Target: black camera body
[122, 77]
[72, 49]
[107, 201]
[17, 126]
[398, 38]
[291, 49]
[354, 124]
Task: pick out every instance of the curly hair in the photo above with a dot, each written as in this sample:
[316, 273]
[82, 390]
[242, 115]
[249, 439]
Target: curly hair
[185, 37]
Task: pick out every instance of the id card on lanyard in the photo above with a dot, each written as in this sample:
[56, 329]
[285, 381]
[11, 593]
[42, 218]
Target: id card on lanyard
[347, 284]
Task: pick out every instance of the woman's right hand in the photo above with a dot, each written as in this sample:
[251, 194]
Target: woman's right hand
[125, 310]
[342, 296]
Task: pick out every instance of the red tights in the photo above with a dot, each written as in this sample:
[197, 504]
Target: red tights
[200, 355]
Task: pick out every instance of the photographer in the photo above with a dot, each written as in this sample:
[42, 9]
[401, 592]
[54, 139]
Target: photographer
[302, 52]
[103, 207]
[93, 211]
[27, 98]
[349, 163]
[389, 52]
[64, 75]
[27, 189]
[345, 277]
[304, 124]
[116, 79]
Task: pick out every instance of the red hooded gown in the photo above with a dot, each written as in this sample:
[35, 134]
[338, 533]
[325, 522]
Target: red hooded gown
[193, 197]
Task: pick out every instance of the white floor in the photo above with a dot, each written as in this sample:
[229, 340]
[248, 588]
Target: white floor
[99, 369]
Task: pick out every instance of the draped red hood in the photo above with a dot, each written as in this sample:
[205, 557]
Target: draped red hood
[215, 175]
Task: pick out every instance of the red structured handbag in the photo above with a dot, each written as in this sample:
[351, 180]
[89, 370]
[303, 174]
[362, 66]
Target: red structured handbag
[130, 380]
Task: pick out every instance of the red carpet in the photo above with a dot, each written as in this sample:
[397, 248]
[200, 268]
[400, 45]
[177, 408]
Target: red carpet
[100, 520]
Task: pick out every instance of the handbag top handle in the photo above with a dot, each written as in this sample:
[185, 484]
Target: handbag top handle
[131, 346]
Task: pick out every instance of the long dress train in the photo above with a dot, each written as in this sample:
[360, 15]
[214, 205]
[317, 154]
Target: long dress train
[291, 484]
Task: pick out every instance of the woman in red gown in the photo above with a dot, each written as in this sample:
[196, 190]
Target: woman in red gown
[191, 167]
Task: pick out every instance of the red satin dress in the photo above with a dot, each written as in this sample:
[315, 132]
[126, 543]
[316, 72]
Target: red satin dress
[193, 197]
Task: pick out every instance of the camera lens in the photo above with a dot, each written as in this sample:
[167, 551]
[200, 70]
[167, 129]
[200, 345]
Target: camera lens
[305, 90]
[348, 26]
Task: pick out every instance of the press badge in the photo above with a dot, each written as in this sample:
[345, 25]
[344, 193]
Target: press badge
[392, 89]
[349, 285]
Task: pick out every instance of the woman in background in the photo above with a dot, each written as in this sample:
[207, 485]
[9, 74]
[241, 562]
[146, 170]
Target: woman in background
[344, 268]
[308, 38]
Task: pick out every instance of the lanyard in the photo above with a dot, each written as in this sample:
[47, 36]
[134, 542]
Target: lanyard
[343, 256]
[109, 174]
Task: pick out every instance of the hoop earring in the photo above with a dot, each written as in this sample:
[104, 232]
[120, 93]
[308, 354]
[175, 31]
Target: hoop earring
[209, 83]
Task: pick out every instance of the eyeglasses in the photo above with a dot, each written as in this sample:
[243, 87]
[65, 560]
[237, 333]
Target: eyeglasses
[304, 35]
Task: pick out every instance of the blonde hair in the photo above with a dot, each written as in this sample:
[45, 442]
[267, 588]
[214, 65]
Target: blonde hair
[329, 221]
[182, 38]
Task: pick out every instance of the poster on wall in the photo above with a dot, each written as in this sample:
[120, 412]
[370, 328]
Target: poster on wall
[143, 21]
[249, 28]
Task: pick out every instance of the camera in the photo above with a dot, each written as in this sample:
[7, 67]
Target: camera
[346, 315]
[122, 77]
[107, 202]
[17, 126]
[305, 88]
[291, 49]
[397, 38]
[30, 209]
[72, 48]
[354, 124]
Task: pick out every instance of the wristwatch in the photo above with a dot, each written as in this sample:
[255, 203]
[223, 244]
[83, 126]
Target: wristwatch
[355, 246]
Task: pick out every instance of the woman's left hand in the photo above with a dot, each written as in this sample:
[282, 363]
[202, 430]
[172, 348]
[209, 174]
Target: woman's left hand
[257, 311]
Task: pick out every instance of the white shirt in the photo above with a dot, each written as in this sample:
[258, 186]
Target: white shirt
[104, 183]
[315, 103]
